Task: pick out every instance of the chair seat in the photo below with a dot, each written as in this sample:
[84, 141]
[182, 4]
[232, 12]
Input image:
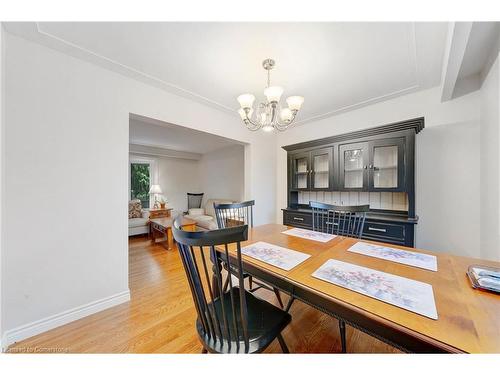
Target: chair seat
[199, 217]
[265, 322]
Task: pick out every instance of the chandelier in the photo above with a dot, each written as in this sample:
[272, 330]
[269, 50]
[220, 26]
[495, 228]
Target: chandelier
[266, 114]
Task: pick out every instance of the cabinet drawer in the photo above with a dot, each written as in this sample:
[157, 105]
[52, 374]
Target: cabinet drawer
[384, 231]
[297, 219]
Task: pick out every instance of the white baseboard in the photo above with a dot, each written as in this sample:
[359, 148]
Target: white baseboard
[31, 329]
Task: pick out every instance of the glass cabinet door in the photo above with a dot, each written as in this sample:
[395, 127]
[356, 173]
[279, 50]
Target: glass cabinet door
[300, 171]
[322, 168]
[387, 164]
[353, 165]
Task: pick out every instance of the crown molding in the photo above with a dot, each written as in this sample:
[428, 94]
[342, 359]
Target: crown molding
[416, 124]
[362, 104]
[137, 74]
[413, 88]
[131, 72]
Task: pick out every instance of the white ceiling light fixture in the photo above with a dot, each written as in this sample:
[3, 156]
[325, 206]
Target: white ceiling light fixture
[269, 115]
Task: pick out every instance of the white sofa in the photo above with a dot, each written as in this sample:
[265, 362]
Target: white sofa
[139, 225]
[205, 217]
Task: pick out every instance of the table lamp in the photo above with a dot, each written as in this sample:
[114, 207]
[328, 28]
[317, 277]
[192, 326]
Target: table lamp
[155, 190]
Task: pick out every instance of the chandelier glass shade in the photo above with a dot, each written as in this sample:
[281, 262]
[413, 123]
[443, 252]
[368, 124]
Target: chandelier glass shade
[270, 114]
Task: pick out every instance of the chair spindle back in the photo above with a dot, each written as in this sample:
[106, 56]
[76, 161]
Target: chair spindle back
[234, 214]
[214, 311]
[340, 220]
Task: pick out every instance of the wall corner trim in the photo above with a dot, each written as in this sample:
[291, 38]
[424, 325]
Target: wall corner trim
[34, 328]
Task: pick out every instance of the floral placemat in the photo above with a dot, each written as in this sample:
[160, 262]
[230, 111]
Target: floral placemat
[274, 255]
[410, 258]
[399, 291]
[310, 234]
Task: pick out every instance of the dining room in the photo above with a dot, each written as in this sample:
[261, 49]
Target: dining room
[294, 187]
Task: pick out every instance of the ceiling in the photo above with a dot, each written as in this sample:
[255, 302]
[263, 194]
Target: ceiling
[336, 66]
[145, 131]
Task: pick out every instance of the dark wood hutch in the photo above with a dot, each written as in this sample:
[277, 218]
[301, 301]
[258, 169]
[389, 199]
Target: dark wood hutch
[364, 166]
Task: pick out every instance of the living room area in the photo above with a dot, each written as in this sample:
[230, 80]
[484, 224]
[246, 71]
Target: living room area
[176, 171]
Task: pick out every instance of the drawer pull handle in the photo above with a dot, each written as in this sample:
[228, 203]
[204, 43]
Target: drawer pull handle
[298, 218]
[377, 229]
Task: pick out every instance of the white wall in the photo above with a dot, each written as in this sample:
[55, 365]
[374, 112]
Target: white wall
[176, 176]
[448, 188]
[66, 167]
[222, 173]
[490, 164]
[447, 170]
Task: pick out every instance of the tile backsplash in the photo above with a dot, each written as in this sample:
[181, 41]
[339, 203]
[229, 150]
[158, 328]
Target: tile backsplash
[377, 200]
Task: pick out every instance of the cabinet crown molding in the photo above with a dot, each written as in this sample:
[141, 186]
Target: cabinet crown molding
[416, 124]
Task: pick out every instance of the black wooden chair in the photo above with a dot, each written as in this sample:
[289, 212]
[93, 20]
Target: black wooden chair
[340, 220]
[194, 200]
[236, 214]
[343, 221]
[235, 321]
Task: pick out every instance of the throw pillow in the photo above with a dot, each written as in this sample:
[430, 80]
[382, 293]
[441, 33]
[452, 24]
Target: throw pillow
[134, 209]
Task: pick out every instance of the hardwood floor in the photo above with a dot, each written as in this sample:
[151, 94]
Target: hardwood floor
[160, 318]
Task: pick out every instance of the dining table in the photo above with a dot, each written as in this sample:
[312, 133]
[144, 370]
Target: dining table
[468, 319]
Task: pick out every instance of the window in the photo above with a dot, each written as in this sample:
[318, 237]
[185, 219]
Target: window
[140, 178]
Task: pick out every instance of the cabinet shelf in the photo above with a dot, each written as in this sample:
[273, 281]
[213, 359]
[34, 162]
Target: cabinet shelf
[375, 168]
[310, 168]
[354, 170]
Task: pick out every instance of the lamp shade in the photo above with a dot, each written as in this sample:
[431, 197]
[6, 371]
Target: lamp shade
[273, 93]
[246, 100]
[295, 102]
[155, 189]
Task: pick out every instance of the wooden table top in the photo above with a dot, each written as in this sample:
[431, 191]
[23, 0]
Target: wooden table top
[160, 209]
[166, 222]
[468, 319]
